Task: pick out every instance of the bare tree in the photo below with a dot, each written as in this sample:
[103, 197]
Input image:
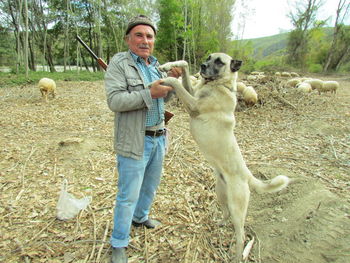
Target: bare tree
[341, 13]
[303, 18]
[66, 36]
[26, 37]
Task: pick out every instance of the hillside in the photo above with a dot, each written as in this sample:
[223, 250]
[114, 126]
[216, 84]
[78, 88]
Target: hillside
[273, 45]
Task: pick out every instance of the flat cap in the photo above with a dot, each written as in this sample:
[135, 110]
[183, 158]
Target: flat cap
[140, 20]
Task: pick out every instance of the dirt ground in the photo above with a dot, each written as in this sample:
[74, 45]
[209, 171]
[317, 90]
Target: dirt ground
[306, 137]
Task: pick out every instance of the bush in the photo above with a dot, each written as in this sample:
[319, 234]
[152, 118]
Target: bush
[315, 68]
[11, 79]
[270, 65]
[345, 68]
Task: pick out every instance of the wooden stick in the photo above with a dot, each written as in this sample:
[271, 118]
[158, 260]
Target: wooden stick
[191, 211]
[332, 145]
[247, 249]
[103, 240]
[284, 101]
[25, 164]
[188, 250]
[146, 246]
[94, 235]
[42, 230]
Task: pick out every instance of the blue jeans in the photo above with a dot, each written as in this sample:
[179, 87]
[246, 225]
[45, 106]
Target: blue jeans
[138, 181]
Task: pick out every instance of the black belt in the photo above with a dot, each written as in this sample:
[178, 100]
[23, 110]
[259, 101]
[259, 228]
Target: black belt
[155, 133]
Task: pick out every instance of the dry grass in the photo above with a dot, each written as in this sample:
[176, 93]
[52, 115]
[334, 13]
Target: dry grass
[300, 136]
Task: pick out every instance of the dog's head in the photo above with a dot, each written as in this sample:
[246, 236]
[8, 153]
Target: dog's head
[218, 65]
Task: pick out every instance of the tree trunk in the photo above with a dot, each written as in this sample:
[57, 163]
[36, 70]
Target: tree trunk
[85, 64]
[341, 59]
[66, 37]
[26, 37]
[341, 7]
[49, 58]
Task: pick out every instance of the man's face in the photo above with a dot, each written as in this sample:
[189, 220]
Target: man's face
[140, 40]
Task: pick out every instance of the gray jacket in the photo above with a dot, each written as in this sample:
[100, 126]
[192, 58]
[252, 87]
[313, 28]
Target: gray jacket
[129, 99]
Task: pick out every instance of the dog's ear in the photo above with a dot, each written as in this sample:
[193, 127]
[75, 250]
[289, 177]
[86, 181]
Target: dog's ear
[235, 65]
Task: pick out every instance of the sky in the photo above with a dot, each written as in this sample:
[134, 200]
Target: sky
[269, 17]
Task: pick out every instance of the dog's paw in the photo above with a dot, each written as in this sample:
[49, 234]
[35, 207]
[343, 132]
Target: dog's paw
[168, 66]
[170, 81]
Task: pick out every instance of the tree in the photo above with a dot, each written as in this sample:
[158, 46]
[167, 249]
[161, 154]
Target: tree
[303, 19]
[191, 29]
[339, 34]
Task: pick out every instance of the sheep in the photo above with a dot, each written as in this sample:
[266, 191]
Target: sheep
[257, 73]
[47, 86]
[278, 74]
[305, 78]
[331, 86]
[294, 74]
[292, 82]
[315, 83]
[250, 96]
[240, 87]
[252, 77]
[286, 74]
[304, 87]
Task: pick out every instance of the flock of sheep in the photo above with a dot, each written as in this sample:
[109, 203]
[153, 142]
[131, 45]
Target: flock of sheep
[288, 79]
[244, 88]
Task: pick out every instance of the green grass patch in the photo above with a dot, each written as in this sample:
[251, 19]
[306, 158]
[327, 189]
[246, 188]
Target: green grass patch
[12, 80]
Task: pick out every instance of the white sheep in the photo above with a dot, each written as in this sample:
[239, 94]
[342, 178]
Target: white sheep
[304, 87]
[294, 74]
[240, 87]
[331, 86]
[286, 74]
[291, 83]
[47, 86]
[252, 77]
[305, 78]
[278, 74]
[315, 83]
[250, 96]
[257, 73]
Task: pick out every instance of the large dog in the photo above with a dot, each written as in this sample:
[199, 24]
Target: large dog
[211, 105]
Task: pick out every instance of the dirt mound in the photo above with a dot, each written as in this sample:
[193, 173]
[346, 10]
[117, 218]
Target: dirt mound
[303, 137]
[306, 223]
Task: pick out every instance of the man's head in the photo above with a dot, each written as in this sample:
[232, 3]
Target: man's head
[140, 20]
[140, 36]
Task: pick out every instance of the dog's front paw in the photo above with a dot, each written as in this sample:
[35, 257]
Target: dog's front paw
[168, 66]
[171, 81]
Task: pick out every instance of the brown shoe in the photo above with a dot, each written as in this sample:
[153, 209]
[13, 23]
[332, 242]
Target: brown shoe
[149, 223]
[119, 255]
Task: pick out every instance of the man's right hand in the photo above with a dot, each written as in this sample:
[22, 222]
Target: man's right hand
[158, 90]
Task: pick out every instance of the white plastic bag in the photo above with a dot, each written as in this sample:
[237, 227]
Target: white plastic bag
[68, 206]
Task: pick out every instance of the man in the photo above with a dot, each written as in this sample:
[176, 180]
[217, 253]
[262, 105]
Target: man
[136, 94]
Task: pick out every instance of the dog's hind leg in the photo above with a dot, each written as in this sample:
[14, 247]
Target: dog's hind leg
[221, 194]
[238, 194]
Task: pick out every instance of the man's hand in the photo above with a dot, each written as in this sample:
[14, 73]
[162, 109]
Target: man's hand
[158, 90]
[175, 72]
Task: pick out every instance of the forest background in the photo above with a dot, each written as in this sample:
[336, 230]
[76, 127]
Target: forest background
[41, 34]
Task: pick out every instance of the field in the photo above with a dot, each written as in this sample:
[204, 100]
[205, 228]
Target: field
[306, 137]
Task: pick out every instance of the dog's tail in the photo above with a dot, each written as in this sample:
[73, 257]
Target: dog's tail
[275, 185]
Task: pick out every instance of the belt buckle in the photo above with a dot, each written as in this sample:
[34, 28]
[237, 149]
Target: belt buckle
[159, 132]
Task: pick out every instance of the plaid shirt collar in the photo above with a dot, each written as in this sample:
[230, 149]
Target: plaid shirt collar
[151, 59]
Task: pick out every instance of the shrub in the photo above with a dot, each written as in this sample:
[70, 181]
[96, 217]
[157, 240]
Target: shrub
[315, 68]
